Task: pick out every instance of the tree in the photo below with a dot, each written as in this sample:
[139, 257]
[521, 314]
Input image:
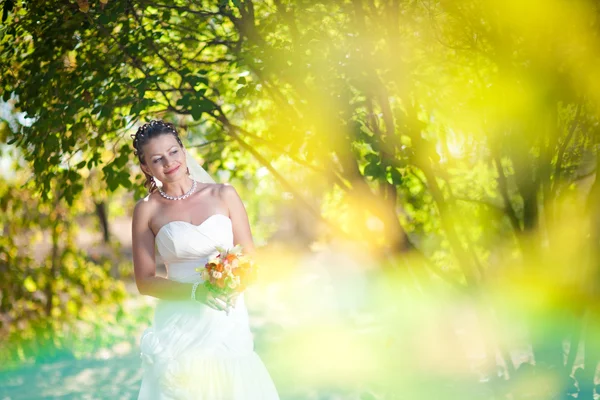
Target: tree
[467, 128]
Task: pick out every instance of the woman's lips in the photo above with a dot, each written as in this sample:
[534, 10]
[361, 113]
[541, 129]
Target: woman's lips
[172, 170]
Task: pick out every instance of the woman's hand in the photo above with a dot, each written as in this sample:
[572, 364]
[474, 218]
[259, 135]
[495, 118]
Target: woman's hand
[232, 299]
[215, 302]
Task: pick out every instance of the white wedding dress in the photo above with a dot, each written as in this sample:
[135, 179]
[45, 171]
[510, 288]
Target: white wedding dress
[193, 351]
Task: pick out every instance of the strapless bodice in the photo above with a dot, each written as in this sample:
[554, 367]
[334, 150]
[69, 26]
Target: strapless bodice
[185, 246]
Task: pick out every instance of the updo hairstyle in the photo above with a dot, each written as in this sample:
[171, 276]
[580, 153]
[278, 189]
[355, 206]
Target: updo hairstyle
[144, 134]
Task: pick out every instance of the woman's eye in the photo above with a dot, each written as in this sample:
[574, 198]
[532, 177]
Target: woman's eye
[156, 160]
[174, 151]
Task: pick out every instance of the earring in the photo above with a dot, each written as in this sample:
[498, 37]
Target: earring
[188, 170]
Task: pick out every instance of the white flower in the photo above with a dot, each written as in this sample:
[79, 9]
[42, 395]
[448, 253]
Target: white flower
[235, 263]
[237, 249]
[205, 275]
[228, 268]
[233, 284]
[217, 274]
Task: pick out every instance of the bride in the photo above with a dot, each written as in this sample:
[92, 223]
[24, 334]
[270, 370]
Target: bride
[199, 346]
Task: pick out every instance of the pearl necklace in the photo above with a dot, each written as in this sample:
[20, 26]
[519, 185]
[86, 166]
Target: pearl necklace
[183, 196]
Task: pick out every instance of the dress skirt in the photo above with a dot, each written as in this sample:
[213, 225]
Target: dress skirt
[195, 352]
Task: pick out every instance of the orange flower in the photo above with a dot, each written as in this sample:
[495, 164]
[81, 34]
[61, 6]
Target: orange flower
[211, 265]
[229, 272]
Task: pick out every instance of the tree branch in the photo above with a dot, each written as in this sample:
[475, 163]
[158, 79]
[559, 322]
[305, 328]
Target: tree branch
[181, 9]
[503, 187]
[563, 148]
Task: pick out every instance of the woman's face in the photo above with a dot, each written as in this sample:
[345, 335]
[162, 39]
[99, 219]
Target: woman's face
[165, 159]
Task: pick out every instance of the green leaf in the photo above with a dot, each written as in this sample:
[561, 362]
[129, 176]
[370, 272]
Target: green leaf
[197, 81]
[185, 101]
[196, 114]
[201, 107]
[242, 92]
[142, 87]
[30, 284]
[373, 170]
[141, 105]
[106, 111]
[396, 176]
[136, 108]
[372, 158]
[69, 195]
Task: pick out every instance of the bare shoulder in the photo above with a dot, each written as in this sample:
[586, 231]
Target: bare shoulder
[144, 209]
[242, 233]
[231, 198]
[217, 188]
[228, 193]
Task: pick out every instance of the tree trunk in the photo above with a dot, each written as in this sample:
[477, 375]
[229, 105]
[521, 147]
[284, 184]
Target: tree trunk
[54, 261]
[103, 219]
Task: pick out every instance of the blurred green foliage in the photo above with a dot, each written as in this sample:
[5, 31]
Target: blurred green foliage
[457, 138]
[57, 301]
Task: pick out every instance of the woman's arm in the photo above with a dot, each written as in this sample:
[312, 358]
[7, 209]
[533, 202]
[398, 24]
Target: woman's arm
[144, 264]
[242, 234]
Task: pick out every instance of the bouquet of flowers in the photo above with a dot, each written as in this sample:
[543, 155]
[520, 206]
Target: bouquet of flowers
[229, 273]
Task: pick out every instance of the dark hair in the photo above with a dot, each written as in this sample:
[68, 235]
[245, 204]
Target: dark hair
[144, 134]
